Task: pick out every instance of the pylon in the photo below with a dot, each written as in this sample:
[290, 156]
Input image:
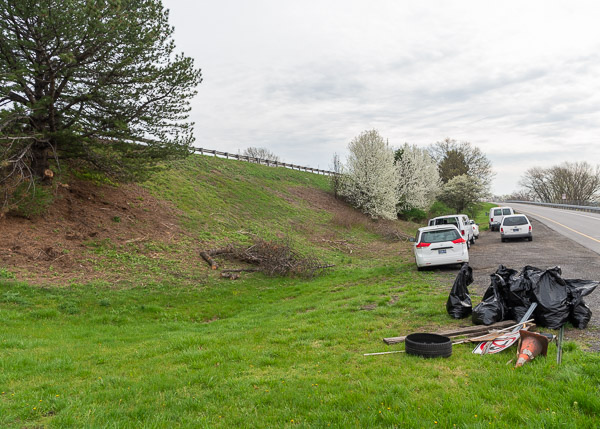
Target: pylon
[532, 345]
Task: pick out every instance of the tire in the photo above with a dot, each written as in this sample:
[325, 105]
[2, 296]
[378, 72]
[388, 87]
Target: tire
[420, 268]
[428, 345]
[530, 238]
[503, 239]
[472, 240]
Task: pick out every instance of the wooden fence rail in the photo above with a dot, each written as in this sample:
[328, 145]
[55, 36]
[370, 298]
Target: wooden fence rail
[267, 162]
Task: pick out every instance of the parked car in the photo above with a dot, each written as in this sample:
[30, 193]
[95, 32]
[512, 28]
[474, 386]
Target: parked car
[475, 227]
[515, 226]
[496, 216]
[440, 245]
[461, 221]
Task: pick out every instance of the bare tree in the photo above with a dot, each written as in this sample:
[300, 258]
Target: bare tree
[337, 177]
[578, 182]
[261, 153]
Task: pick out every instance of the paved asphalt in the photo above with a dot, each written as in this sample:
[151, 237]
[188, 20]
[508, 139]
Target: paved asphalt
[547, 249]
[581, 227]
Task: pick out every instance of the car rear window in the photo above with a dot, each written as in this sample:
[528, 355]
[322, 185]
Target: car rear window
[439, 236]
[518, 220]
[497, 212]
[506, 212]
[447, 221]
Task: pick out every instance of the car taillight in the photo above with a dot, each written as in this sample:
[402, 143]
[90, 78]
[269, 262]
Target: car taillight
[529, 227]
[501, 229]
[423, 245]
[459, 240]
[492, 219]
[462, 232]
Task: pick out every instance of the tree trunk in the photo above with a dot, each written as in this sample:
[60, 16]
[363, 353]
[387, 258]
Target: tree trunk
[39, 160]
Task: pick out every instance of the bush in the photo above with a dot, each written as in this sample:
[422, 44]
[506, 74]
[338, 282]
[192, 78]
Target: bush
[439, 209]
[29, 201]
[413, 215]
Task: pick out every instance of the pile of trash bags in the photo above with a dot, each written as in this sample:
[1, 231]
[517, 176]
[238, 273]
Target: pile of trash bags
[511, 293]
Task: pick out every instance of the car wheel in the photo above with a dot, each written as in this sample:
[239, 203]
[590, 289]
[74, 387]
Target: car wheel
[530, 238]
[472, 240]
[503, 239]
[420, 268]
[428, 345]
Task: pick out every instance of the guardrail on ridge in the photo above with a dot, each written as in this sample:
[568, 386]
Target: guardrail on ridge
[590, 209]
[267, 162]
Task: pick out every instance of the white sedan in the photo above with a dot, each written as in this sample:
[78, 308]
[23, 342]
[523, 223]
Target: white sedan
[516, 226]
[439, 245]
[475, 227]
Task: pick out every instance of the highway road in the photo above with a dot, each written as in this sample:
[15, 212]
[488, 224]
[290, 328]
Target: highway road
[582, 227]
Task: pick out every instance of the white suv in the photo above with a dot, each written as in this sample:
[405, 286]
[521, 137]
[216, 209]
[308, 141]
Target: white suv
[461, 221]
[496, 216]
[439, 245]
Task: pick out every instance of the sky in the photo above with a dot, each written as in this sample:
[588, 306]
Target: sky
[520, 80]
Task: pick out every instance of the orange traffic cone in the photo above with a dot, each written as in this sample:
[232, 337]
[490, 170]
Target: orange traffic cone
[532, 344]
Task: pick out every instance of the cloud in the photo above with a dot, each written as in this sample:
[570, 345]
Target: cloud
[517, 79]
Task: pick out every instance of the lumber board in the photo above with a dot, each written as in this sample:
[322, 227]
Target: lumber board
[476, 329]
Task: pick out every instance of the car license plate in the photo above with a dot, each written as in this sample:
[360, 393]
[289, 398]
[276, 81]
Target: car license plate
[441, 251]
[516, 230]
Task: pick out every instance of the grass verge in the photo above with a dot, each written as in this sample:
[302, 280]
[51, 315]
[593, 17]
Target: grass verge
[265, 352]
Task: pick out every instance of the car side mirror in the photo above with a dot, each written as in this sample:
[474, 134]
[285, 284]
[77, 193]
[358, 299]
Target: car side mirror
[412, 240]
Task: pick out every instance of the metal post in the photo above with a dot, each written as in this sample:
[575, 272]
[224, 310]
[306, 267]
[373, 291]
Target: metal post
[559, 342]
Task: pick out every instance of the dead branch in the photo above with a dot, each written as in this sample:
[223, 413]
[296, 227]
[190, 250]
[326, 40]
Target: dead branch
[206, 256]
[274, 258]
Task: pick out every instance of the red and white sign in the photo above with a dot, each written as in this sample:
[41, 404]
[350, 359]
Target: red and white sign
[495, 346]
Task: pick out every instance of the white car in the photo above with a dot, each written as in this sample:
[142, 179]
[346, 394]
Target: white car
[475, 227]
[440, 245]
[462, 223]
[496, 216]
[516, 226]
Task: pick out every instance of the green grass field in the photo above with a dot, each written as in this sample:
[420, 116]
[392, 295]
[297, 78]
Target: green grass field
[193, 350]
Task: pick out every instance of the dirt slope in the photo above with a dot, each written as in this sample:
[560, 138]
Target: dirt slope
[54, 244]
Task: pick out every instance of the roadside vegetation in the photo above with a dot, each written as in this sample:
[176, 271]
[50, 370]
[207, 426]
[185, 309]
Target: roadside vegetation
[171, 343]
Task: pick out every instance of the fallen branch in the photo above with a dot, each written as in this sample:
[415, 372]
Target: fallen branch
[274, 258]
[211, 261]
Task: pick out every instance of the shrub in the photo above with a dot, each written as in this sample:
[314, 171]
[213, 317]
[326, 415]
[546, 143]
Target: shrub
[30, 200]
[438, 208]
[414, 215]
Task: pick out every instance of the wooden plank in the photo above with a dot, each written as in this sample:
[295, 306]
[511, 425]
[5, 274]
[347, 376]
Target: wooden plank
[477, 329]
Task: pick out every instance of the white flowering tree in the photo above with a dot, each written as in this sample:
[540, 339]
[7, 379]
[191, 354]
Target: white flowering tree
[418, 178]
[371, 176]
[462, 191]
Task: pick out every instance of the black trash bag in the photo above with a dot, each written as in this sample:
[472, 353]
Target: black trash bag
[549, 290]
[491, 309]
[579, 313]
[459, 301]
[515, 291]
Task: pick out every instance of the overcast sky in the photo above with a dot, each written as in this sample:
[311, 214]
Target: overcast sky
[519, 79]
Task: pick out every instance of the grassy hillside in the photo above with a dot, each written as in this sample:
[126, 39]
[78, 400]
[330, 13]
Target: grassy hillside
[156, 339]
